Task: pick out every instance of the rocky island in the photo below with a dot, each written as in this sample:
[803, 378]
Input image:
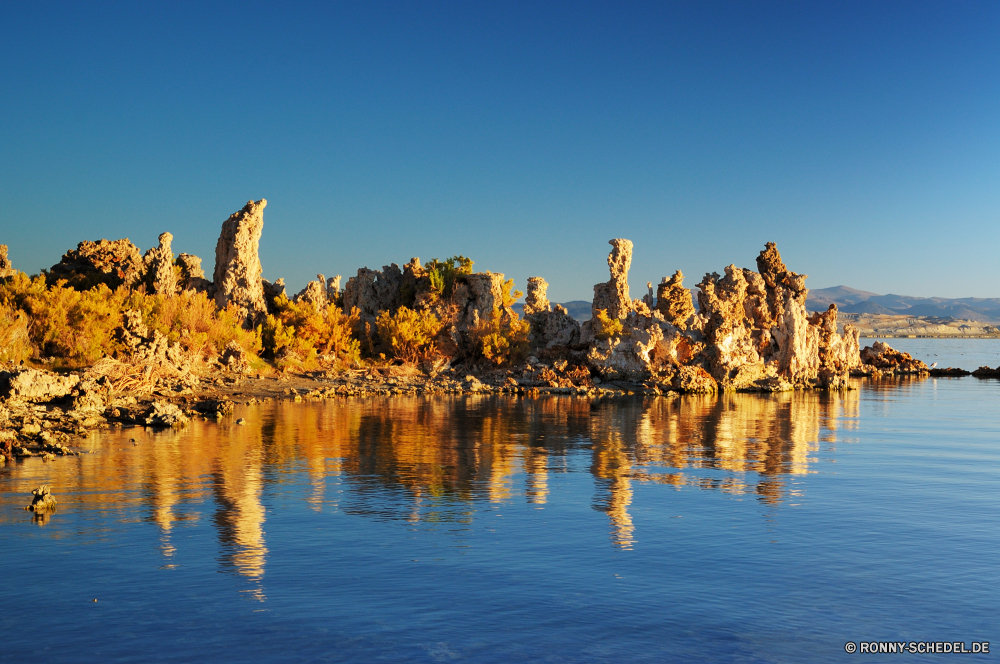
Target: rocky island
[110, 336]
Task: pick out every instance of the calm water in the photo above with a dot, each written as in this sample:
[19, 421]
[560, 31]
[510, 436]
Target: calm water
[742, 528]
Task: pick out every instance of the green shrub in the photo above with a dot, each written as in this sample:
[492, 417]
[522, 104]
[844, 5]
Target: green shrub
[443, 273]
[606, 327]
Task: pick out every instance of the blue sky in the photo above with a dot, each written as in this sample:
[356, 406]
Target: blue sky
[863, 138]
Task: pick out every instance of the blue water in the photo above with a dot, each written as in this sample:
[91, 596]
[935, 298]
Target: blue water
[742, 528]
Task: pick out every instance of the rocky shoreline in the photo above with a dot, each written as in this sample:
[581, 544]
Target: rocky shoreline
[173, 345]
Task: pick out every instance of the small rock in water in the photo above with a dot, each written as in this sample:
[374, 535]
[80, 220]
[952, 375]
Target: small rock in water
[42, 499]
[241, 421]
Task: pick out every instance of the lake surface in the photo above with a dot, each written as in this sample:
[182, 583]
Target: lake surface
[742, 528]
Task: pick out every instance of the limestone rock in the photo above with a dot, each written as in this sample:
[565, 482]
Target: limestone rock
[333, 289]
[192, 276]
[613, 296]
[111, 262]
[35, 385]
[272, 291]
[838, 354]
[779, 280]
[885, 358]
[798, 343]
[536, 300]
[629, 356]
[42, 499]
[477, 296]
[674, 301]
[6, 268]
[694, 380]
[166, 414]
[315, 293]
[373, 291]
[237, 263]
[159, 264]
[235, 359]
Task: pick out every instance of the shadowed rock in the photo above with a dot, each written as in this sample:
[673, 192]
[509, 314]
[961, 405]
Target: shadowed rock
[6, 269]
[111, 262]
[159, 262]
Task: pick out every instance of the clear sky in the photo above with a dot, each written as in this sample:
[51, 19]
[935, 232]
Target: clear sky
[863, 138]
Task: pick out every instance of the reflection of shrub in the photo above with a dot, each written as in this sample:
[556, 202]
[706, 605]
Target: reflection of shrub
[409, 333]
[443, 273]
[297, 334]
[501, 339]
[606, 327]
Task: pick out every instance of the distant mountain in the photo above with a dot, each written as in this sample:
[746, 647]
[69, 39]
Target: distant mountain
[853, 301]
[578, 309]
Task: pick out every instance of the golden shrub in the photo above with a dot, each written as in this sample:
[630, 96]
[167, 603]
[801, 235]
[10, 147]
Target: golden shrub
[298, 334]
[501, 339]
[15, 346]
[410, 334]
[606, 327]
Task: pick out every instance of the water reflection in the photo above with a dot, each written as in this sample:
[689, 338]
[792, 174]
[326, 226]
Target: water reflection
[434, 459]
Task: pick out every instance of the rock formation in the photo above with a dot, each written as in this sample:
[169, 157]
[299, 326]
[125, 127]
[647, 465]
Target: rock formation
[372, 291]
[536, 300]
[237, 263]
[42, 499]
[613, 296]
[752, 331]
[674, 301]
[551, 327]
[6, 269]
[315, 293]
[159, 264]
[111, 262]
[889, 360]
[192, 276]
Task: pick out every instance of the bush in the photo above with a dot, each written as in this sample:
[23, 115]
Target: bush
[443, 273]
[77, 328]
[501, 339]
[606, 327]
[410, 334]
[193, 320]
[298, 334]
[15, 346]
[74, 327]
